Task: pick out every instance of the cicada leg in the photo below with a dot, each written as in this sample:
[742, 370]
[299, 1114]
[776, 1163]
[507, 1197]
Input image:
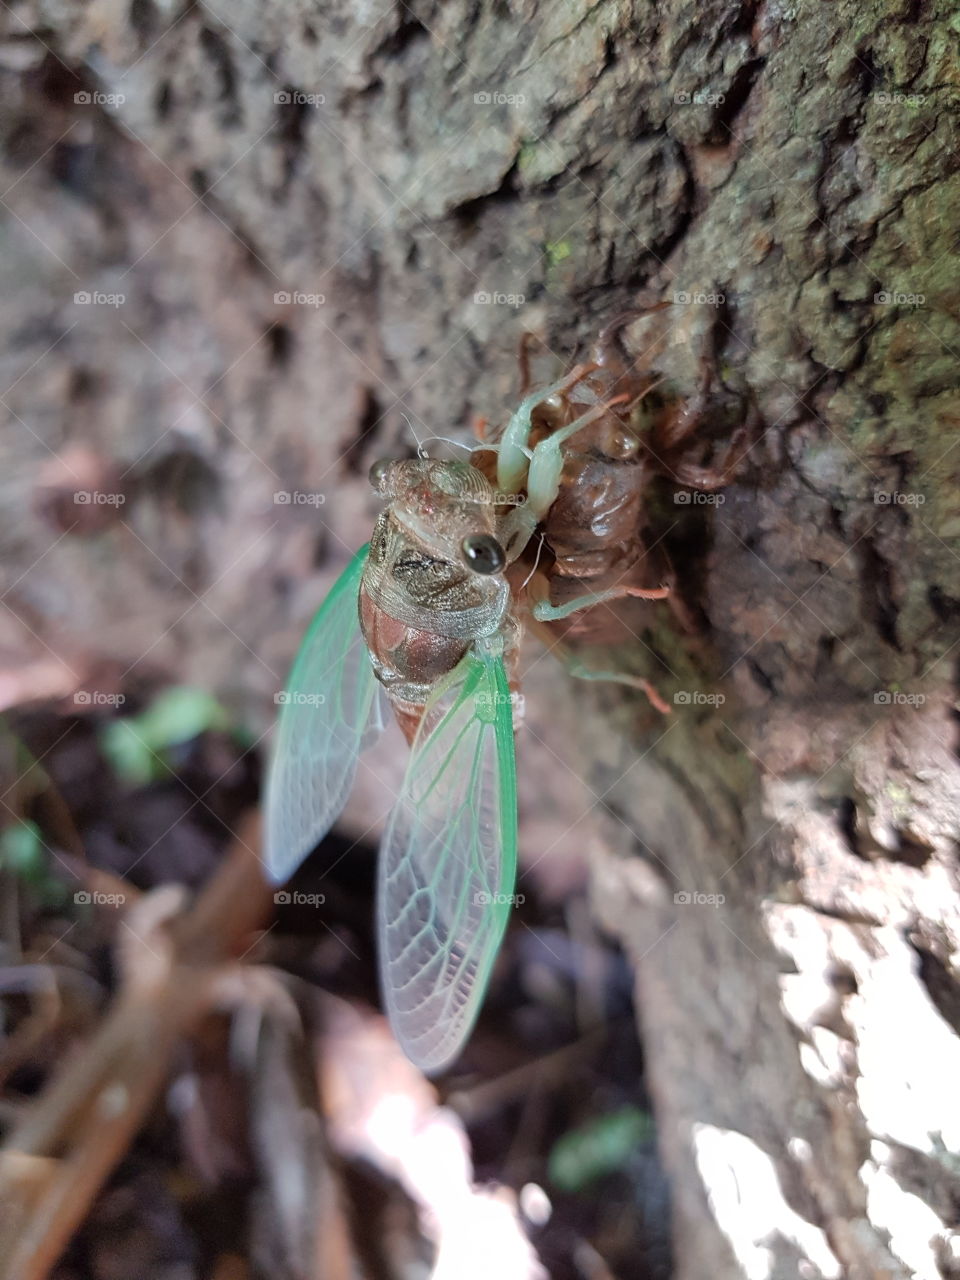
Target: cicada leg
[680, 426]
[513, 451]
[542, 612]
[543, 466]
[580, 672]
[608, 349]
[523, 360]
[546, 458]
[577, 668]
[725, 469]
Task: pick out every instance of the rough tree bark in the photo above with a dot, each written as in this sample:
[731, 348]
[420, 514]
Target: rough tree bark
[203, 160]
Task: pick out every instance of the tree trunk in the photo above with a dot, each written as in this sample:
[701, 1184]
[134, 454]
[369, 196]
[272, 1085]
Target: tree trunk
[300, 228]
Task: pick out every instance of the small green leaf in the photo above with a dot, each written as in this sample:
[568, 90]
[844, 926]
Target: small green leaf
[24, 854]
[136, 745]
[599, 1147]
[178, 715]
[21, 850]
[131, 759]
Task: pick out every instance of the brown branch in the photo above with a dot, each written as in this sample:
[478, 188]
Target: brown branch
[57, 1159]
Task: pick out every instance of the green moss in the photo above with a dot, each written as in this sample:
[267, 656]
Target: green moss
[899, 796]
[527, 156]
[556, 251]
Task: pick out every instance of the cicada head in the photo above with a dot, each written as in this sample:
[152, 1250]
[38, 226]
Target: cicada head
[447, 508]
[433, 583]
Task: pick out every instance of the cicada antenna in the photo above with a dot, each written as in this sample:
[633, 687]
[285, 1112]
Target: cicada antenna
[421, 451]
[422, 444]
[535, 563]
[457, 444]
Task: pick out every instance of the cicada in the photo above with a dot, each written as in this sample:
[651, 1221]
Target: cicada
[429, 616]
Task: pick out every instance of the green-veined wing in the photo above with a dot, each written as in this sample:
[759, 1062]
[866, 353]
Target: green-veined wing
[330, 709]
[448, 863]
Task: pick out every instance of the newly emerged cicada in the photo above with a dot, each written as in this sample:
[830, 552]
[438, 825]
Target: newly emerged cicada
[430, 615]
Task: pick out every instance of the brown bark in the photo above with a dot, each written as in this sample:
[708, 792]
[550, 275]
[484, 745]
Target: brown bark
[801, 161]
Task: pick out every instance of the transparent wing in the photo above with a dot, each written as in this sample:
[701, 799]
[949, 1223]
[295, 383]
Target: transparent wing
[448, 863]
[331, 710]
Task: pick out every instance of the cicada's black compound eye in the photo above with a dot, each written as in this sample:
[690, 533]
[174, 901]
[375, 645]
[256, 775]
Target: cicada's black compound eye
[483, 553]
[379, 475]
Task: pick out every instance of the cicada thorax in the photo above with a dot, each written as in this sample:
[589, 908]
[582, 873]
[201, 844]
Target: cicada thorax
[421, 604]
